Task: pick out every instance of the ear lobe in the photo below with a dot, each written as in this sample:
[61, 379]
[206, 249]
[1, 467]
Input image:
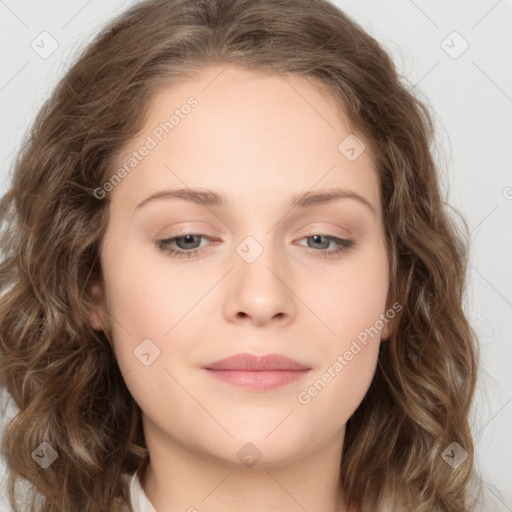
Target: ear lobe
[389, 322]
[98, 318]
[386, 331]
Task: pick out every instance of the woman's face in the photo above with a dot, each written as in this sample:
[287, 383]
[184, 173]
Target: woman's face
[259, 275]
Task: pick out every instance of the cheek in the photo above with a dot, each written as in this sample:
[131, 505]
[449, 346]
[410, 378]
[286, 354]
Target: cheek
[144, 307]
[351, 297]
[150, 300]
[350, 301]
[146, 296]
[136, 303]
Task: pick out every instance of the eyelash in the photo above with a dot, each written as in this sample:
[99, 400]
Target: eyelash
[343, 246]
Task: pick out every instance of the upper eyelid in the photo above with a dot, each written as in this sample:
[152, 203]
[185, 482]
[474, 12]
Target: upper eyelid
[310, 231]
[212, 238]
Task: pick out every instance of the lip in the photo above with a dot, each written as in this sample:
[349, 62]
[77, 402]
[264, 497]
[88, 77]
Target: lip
[257, 372]
[250, 362]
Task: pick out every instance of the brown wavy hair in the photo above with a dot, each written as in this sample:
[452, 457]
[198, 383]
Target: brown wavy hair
[62, 374]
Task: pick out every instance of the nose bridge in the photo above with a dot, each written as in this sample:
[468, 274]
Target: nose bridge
[258, 288]
[258, 242]
[259, 259]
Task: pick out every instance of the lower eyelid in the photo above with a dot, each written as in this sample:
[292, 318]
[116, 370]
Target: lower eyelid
[167, 245]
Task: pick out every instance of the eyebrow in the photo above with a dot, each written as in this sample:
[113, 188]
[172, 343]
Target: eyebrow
[207, 197]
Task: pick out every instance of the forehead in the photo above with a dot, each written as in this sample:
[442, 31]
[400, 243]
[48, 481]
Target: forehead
[250, 134]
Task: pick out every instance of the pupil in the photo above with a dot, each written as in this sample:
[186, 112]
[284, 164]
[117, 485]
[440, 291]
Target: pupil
[318, 240]
[185, 240]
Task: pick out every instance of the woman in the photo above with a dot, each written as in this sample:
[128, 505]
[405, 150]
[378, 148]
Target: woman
[230, 278]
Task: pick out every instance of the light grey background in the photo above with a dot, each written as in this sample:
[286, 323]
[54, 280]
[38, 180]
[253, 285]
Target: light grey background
[471, 96]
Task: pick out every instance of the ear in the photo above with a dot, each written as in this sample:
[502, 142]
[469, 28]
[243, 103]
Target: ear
[98, 317]
[386, 331]
[390, 317]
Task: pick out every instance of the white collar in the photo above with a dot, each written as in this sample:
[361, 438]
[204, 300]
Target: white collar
[138, 499]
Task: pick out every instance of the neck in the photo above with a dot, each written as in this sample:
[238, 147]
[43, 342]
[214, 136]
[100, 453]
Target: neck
[178, 479]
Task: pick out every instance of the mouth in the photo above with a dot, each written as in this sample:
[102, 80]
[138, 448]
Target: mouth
[257, 372]
[258, 380]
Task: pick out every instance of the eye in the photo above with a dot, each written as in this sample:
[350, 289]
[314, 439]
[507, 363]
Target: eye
[341, 245]
[184, 242]
[189, 245]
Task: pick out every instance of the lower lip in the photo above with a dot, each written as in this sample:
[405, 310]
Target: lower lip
[258, 380]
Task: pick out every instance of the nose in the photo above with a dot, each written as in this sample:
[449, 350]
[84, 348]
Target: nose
[260, 292]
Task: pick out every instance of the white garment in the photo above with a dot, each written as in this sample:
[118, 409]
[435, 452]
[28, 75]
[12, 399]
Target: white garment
[138, 499]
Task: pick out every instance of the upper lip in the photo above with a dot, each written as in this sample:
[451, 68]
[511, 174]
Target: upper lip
[249, 362]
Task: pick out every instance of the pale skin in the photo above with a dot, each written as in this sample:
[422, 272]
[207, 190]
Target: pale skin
[258, 141]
